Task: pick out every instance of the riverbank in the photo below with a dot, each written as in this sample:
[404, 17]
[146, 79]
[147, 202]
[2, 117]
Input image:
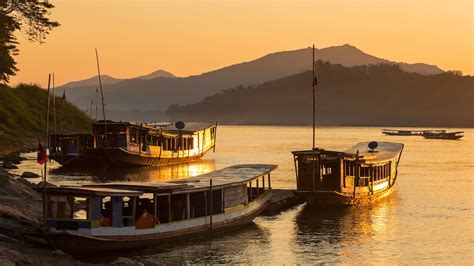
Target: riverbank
[23, 121]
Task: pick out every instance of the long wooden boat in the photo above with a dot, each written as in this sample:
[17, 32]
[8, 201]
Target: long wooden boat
[443, 135]
[406, 132]
[124, 144]
[357, 176]
[102, 218]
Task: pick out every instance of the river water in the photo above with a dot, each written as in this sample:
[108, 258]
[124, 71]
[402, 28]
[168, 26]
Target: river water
[428, 218]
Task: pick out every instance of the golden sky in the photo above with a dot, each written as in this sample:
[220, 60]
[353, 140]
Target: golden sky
[135, 37]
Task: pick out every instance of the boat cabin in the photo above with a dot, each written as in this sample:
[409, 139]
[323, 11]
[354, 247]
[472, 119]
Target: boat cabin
[359, 171]
[155, 139]
[70, 144]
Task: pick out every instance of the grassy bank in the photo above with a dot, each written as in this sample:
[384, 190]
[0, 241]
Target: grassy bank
[23, 117]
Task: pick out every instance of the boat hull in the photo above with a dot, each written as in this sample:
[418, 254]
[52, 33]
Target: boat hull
[81, 245]
[328, 199]
[117, 157]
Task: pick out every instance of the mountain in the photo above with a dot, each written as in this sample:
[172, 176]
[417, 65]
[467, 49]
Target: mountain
[157, 74]
[108, 80]
[160, 92]
[93, 81]
[375, 95]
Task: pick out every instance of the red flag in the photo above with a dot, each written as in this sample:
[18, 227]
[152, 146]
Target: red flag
[41, 154]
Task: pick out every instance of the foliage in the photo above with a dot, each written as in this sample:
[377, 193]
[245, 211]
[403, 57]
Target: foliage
[22, 115]
[29, 16]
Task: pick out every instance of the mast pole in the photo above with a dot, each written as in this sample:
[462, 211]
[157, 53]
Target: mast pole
[47, 149]
[54, 107]
[102, 96]
[314, 105]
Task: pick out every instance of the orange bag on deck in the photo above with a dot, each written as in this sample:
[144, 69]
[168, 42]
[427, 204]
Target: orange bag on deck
[145, 221]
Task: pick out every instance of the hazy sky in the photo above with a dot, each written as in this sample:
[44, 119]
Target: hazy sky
[135, 37]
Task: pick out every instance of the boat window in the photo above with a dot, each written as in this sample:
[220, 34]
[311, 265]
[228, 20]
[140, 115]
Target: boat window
[106, 212]
[163, 209]
[178, 207]
[68, 208]
[190, 144]
[128, 209]
[198, 206]
[217, 204]
[145, 212]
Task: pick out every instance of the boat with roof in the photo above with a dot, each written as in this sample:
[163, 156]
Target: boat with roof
[365, 173]
[101, 218]
[128, 144]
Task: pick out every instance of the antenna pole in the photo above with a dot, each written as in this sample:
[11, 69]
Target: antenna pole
[314, 106]
[47, 151]
[102, 95]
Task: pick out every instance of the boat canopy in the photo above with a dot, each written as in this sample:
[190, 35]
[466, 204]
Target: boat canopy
[233, 175]
[385, 151]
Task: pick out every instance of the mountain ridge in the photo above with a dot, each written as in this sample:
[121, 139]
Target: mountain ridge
[374, 95]
[160, 92]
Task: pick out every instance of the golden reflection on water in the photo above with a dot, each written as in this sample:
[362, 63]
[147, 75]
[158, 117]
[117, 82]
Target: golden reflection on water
[342, 229]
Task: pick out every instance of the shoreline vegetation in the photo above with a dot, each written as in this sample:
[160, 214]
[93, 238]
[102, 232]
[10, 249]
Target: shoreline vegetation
[22, 118]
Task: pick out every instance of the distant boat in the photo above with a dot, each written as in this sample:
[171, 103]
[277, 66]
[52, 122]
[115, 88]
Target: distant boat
[360, 175]
[126, 144]
[404, 132]
[88, 220]
[443, 135]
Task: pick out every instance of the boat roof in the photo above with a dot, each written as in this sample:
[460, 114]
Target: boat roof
[228, 176]
[165, 126]
[91, 191]
[385, 151]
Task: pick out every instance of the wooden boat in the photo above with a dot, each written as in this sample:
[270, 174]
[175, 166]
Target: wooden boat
[357, 176]
[102, 218]
[398, 132]
[443, 135]
[122, 144]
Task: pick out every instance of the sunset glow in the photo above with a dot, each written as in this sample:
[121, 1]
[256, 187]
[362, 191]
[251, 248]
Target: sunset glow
[190, 37]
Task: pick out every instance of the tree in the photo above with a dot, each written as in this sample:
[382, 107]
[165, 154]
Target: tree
[29, 16]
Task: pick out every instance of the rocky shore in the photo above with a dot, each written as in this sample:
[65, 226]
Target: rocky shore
[20, 219]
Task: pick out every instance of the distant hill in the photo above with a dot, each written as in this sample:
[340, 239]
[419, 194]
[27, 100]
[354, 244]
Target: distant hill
[158, 93]
[22, 117]
[93, 81]
[157, 74]
[108, 80]
[375, 95]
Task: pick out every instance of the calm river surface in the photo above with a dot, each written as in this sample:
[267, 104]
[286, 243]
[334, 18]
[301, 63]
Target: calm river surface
[429, 217]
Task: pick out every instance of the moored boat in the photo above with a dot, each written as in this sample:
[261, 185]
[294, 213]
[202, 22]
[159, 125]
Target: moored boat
[358, 176]
[411, 132]
[102, 218]
[122, 144]
[443, 135]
